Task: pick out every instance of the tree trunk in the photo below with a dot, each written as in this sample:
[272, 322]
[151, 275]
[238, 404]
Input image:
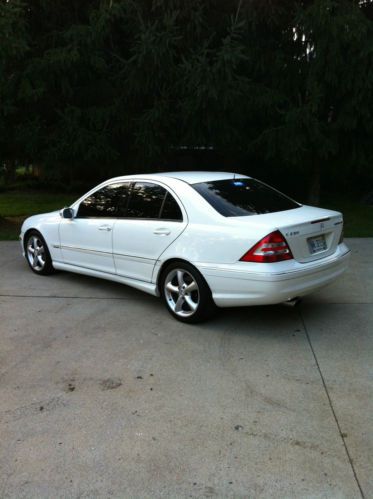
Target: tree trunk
[10, 172]
[37, 169]
[314, 187]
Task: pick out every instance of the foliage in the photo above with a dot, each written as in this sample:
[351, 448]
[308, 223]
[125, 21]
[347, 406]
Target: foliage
[94, 88]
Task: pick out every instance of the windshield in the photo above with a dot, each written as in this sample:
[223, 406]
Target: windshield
[243, 197]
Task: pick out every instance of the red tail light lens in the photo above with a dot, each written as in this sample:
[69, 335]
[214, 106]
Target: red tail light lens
[272, 248]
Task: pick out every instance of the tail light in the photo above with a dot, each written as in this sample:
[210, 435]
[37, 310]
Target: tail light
[272, 248]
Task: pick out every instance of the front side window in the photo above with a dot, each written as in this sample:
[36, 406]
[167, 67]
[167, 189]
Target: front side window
[107, 202]
[146, 200]
[243, 197]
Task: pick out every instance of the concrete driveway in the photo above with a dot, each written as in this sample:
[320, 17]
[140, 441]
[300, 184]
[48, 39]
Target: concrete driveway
[103, 394]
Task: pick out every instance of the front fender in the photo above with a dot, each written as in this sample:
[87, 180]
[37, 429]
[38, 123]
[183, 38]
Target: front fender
[48, 226]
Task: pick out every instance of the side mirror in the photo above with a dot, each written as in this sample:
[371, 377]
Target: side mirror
[67, 213]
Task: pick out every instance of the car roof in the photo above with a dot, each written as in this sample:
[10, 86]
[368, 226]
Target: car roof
[194, 177]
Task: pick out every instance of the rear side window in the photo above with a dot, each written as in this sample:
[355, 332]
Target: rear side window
[170, 209]
[146, 200]
[243, 197]
[107, 202]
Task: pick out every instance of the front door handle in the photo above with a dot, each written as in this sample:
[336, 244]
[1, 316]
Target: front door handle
[105, 227]
[162, 232]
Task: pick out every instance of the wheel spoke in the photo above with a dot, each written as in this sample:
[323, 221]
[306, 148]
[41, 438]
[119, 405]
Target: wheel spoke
[179, 304]
[30, 249]
[191, 304]
[180, 277]
[35, 262]
[171, 288]
[40, 260]
[191, 287]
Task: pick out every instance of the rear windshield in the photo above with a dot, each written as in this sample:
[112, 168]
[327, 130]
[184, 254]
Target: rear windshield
[243, 197]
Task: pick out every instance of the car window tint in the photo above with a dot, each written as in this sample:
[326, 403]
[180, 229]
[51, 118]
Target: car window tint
[145, 201]
[107, 202]
[170, 210]
[243, 197]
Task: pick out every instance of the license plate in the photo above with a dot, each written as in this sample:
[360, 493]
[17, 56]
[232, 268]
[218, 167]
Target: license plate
[316, 244]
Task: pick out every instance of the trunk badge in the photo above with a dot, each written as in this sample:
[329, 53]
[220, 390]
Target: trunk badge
[295, 233]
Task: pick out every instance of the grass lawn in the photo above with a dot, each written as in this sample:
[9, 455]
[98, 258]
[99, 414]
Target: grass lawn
[16, 206]
[358, 218]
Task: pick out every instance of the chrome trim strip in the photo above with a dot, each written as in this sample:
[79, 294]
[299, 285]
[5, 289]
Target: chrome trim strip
[135, 258]
[123, 255]
[132, 219]
[84, 250]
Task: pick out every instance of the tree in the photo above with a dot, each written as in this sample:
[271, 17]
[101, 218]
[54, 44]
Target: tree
[94, 88]
[13, 48]
[324, 90]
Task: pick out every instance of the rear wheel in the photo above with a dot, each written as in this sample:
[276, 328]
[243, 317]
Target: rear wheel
[37, 254]
[186, 293]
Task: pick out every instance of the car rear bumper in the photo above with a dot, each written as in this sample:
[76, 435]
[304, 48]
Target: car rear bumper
[232, 287]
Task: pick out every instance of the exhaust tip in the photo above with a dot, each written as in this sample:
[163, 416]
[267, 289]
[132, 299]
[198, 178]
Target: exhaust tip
[292, 302]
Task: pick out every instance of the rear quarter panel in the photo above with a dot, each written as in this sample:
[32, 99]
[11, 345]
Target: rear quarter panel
[223, 241]
[211, 243]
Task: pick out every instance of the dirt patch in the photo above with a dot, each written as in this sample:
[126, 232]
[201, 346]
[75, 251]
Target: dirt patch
[10, 227]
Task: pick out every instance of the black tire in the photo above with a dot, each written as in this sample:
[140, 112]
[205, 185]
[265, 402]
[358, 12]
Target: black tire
[181, 295]
[41, 263]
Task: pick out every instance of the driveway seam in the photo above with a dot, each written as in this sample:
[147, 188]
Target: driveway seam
[72, 297]
[344, 303]
[331, 404]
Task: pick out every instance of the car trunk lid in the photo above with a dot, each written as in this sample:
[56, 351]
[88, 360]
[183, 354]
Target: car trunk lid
[313, 239]
[311, 233]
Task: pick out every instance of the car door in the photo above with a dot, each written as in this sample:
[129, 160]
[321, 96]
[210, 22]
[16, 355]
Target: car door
[152, 220]
[86, 239]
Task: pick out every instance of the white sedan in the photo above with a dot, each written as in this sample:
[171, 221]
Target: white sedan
[197, 239]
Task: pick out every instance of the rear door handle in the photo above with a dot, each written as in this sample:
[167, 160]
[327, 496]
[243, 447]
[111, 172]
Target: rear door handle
[105, 227]
[162, 232]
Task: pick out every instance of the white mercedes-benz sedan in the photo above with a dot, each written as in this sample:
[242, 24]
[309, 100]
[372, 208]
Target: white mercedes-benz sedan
[197, 239]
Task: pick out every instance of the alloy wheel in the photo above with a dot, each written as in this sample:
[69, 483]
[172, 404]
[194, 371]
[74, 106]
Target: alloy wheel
[181, 292]
[36, 253]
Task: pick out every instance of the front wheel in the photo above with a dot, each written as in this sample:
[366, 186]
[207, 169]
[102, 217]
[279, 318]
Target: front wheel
[186, 293]
[37, 254]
